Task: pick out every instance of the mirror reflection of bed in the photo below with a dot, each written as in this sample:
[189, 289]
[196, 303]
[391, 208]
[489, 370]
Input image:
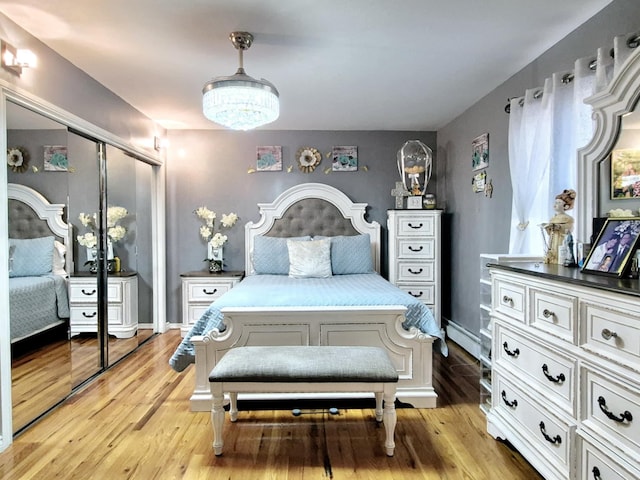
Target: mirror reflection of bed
[39, 306]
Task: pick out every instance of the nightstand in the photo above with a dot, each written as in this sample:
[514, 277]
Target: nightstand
[122, 308]
[201, 288]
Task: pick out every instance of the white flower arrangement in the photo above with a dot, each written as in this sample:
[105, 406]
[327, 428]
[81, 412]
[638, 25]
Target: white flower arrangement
[208, 230]
[619, 212]
[115, 232]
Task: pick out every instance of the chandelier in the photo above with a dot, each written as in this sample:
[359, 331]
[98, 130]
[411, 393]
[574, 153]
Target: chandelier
[240, 102]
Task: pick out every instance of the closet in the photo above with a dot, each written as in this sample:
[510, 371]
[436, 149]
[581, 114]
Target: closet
[106, 190]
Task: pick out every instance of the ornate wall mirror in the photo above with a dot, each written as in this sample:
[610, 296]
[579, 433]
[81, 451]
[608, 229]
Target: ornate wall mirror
[615, 120]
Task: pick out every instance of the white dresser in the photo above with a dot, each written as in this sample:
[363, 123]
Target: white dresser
[201, 288]
[122, 309]
[414, 254]
[566, 370]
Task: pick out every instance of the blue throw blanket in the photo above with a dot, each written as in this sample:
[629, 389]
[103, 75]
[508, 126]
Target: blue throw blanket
[283, 291]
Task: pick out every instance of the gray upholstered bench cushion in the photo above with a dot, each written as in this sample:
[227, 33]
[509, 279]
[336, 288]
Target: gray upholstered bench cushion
[304, 364]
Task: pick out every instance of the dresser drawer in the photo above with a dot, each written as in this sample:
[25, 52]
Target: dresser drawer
[611, 408]
[87, 292]
[508, 298]
[206, 291]
[419, 227]
[414, 271]
[195, 311]
[423, 292]
[549, 434]
[554, 313]
[611, 333]
[538, 365]
[88, 315]
[416, 248]
[597, 465]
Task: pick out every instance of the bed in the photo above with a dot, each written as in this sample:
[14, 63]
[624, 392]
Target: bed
[352, 305]
[38, 263]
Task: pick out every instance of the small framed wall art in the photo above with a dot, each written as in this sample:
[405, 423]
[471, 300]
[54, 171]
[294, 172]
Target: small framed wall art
[344, 159]
[480, 152]
[269, 159]
[55, 158]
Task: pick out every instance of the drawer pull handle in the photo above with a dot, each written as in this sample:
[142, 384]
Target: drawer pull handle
[511, 353]
[411, 225]
[558, 379]
[555, 440]
[596, 473]
[85, 292]
[415, 273]
[607, 334]
[212, 292]
[89, 315]
[548, 313]
[419, 249]
[508, 300]
[513, 404]
[416, 295]
[602, 403]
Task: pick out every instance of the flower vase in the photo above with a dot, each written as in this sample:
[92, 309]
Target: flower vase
[215, 259]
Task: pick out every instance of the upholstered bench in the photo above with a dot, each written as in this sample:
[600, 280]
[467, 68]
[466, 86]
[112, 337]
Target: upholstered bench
[287, 369]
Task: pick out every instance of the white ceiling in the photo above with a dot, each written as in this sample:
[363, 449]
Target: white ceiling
[338, 64]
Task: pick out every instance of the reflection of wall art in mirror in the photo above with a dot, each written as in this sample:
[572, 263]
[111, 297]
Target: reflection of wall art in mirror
[625, 173]
[480, 152]
[18, 159]
[612, 250]
[479, 182]
[269, 159]
[344, 159]
[55, 158]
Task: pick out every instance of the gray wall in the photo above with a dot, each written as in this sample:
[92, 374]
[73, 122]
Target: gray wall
[210, 168]
[480, 224]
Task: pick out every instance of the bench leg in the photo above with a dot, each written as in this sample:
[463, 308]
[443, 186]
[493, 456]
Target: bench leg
[390, 417]
[217, 416]
[378, 406]
[233, 406]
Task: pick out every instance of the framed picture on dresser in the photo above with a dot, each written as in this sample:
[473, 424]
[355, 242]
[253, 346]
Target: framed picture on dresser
[613, 249]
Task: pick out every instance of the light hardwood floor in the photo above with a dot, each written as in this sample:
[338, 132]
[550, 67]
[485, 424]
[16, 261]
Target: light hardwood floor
[133, 422]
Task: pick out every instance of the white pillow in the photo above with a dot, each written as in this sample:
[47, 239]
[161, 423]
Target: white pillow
[59, 263]
[309, 259]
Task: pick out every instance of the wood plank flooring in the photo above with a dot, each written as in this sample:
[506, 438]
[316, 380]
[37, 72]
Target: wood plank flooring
[133, 422]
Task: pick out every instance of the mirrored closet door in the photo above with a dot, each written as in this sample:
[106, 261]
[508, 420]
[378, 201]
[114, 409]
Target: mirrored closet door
[72, 175]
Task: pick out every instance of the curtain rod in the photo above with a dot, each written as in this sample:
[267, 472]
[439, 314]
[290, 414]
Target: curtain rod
[632, 42]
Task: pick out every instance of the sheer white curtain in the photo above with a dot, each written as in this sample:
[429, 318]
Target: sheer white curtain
[546, 128]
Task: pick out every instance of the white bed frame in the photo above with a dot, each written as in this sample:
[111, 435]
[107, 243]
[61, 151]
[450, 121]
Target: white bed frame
[410, 351]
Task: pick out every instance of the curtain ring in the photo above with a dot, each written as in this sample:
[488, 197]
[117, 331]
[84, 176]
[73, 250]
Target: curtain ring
[634, 41]
[567, 78]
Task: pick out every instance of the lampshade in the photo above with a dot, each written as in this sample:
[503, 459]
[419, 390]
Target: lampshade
[240, 102]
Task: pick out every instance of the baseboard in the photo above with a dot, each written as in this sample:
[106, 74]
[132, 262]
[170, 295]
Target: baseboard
[463, 337]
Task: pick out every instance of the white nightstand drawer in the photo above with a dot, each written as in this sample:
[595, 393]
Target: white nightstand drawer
[88, 315]
[414, 271]
[206, 291]
[422, 226]
[554, 313]
[416, 248]
[87, 292]
[423, 292]
[611, 408]
[195, 311]
[612, 333]
[508, 298]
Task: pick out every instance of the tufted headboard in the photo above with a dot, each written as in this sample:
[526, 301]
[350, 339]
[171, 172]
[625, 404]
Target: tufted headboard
[311, 209]
[32, 216]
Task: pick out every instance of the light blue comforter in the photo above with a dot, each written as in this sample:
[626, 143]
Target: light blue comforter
[281, 290]
[36, 303]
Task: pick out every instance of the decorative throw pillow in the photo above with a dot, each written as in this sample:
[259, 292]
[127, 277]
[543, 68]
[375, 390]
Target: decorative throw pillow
[32, 256]
[310, 259]
[351, 254]
[12, 249]
[270, 255]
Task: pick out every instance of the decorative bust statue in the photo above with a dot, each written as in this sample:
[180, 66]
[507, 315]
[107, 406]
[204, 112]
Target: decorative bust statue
[559, 226]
